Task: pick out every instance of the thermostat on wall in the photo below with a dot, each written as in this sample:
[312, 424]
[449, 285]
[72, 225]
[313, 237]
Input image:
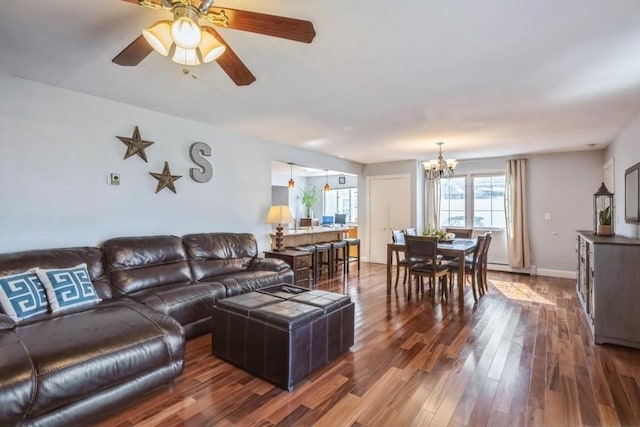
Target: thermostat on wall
[113, 179]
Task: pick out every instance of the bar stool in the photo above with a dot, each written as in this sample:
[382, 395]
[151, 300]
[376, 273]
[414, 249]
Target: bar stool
[314, 259]
[324, 256]
[340, 255]
[353, 243]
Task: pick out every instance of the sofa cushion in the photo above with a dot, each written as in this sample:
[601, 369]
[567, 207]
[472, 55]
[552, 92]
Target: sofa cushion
[22, 296]
[137, 263]
[18, 262]
[247, 281]
[6, 322]
[213, 254]
[78, 354]
[68, 287]
[185, 303]
[17, 379]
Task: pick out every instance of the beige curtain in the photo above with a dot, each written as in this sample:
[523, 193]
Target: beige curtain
[516, 212]
[433, 203]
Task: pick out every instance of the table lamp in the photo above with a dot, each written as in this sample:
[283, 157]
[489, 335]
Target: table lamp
[279, 214]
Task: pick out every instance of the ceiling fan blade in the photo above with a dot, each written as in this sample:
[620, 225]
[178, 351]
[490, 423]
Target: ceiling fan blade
[231, 64]
[270, 25]
[134, 53]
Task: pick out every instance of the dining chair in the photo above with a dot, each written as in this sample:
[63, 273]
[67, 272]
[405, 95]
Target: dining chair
[473, 268]
[485, 256]
[398, 238]
[460, 233]
[411, 232]
[425, 249]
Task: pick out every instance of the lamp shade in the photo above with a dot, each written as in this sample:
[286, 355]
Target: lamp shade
[185, 56]
[279, 214]
[159, 37]
[210, 47]
[186, 33]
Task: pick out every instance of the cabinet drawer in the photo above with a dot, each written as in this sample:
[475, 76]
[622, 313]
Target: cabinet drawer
[303, 261]
[302, 273]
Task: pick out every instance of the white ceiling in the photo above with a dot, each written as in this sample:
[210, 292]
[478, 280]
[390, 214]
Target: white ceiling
[381, 81]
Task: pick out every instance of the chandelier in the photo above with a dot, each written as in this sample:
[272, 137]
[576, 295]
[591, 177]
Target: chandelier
[439, 168]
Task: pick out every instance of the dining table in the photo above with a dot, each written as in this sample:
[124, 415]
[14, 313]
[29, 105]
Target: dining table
[457, 248]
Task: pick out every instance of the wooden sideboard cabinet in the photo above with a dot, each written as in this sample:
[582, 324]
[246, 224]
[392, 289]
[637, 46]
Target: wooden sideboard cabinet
[299, 261]
[608, 286]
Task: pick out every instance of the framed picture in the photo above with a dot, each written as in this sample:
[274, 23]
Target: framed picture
[342, 180]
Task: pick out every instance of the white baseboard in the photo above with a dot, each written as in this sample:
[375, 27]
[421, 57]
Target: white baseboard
[508, 269]
[563, 274]
[534, 271]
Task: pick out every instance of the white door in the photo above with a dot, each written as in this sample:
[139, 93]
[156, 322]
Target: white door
[389, 209]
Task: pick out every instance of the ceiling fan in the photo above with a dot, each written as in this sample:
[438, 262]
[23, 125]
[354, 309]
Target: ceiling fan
[191, 44]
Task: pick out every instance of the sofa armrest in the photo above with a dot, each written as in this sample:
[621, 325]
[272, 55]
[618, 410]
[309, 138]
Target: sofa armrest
[268, 264]
[6, 322]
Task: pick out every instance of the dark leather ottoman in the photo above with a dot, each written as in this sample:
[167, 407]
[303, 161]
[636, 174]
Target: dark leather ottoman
[339, 314]
[282, 340]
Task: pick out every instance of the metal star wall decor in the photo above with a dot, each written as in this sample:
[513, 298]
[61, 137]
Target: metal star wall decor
[165, 179]
[135, 145]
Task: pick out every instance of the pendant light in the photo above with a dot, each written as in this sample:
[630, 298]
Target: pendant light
[327, 187]
[292, 183]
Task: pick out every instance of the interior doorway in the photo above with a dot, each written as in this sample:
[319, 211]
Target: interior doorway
[389, 209]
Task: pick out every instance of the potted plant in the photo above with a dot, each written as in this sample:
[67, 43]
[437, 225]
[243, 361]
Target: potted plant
[441, 234]
[604, 222]
[309, 197]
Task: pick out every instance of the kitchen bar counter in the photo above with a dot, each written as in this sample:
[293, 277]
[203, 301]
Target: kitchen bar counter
[310, 235]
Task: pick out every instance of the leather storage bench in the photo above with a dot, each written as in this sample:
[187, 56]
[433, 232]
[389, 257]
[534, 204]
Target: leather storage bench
[339, 313]
[275, 337]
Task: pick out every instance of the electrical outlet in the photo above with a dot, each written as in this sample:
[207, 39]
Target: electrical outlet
[114, 179]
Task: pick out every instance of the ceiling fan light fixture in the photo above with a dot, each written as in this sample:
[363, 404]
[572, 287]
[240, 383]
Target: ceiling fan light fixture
[185, 56]
[159, 37]
[186, 33]
[210, 47]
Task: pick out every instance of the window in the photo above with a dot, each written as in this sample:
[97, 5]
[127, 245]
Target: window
[484, 210]
[488, 201]
[342, 200]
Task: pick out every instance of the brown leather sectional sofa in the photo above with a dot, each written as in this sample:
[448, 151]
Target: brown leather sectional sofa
[62, 369]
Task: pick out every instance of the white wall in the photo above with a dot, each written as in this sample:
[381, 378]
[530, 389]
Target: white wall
[560, 184]
[57, 148]
[625, 151]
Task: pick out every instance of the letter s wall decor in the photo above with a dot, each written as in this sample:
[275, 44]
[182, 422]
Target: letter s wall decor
[197, 151]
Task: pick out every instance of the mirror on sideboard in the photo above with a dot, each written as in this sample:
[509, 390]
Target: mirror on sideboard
[632, 194]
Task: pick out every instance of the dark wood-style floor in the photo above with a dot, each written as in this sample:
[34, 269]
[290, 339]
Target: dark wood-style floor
[521, 356]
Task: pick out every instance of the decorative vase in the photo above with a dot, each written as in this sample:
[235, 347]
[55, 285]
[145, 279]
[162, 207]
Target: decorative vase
[309, 212]
[604, 230]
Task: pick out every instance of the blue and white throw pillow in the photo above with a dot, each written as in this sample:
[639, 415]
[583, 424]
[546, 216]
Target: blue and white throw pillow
[68, 287]
[22, 295]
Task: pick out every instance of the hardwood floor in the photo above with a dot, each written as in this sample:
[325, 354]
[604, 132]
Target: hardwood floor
[521, 356]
